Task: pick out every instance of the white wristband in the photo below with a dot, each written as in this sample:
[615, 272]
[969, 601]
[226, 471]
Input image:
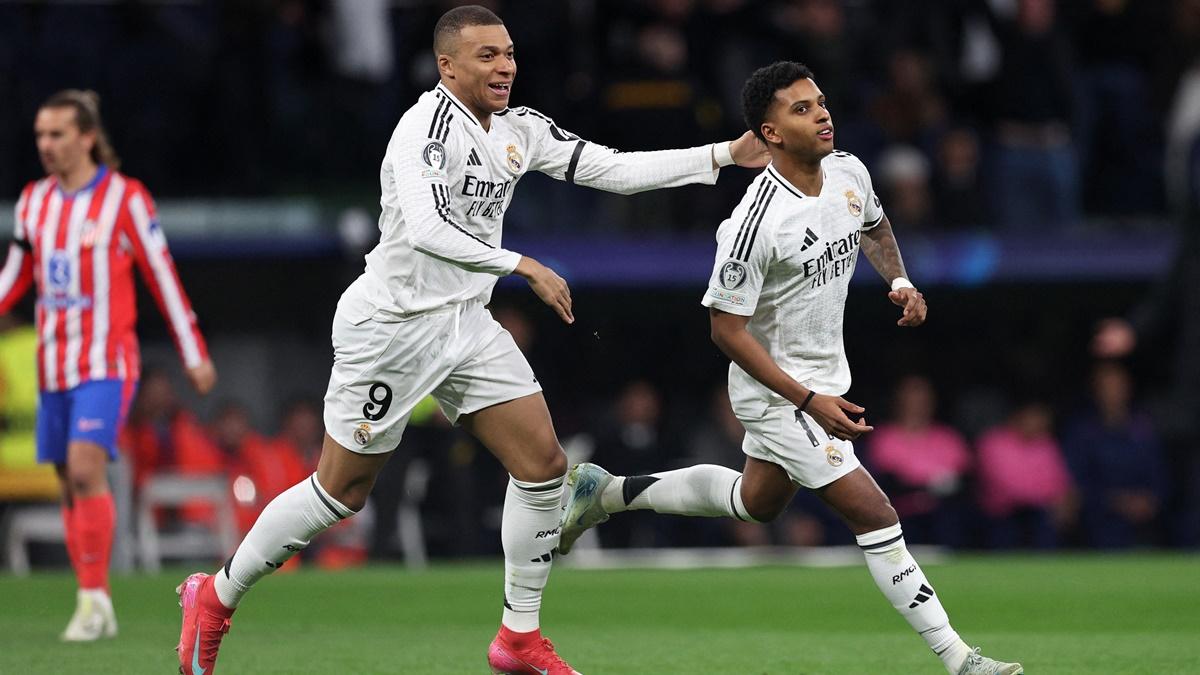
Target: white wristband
[722, 154]
[901, 282]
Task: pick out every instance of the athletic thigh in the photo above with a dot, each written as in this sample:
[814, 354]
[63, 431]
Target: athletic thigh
[766, 489]
[521, 435]
[859, 502]
[347, 475]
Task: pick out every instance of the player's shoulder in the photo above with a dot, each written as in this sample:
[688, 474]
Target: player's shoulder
[133, 187]
[842, 161]
[430, 116]
[769, 196]
[759, 207]
[40, 185]
[533, 122]
[524, 116]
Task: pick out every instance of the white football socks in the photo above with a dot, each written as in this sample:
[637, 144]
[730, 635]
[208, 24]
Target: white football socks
[529, 534]
[701, 490]
[901, 580]
[285, 527]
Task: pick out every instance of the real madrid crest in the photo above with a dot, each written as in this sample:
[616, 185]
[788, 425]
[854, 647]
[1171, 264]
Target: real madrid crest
[514, 159]
[834, 456]
[854, 204]
[362, 435]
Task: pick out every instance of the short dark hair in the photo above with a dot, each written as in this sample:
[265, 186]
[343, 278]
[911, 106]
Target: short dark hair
[759, 90]
[453, 21]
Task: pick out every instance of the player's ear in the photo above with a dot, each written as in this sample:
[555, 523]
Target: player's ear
[89, 139]
[769, 133]
[445, 66]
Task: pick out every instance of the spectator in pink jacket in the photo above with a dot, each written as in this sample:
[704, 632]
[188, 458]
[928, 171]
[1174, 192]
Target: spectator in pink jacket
[921, 464]
[1024, 487]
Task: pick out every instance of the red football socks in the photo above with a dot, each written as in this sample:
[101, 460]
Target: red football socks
[94, 521]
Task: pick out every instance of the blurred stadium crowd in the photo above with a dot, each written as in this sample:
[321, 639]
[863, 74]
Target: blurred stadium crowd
[995, 428]
[1005, 113]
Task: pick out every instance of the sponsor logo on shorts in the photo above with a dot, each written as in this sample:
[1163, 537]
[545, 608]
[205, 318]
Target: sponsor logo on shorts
[834, 456]
[86, 424]
[362, 435]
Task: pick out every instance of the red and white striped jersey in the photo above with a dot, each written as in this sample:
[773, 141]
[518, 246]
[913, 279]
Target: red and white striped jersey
[80, 249]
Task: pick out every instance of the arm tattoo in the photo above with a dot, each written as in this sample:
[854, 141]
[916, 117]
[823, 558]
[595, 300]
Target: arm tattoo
[880, 247]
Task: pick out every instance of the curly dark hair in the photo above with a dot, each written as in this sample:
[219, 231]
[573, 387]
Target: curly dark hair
[760, 89]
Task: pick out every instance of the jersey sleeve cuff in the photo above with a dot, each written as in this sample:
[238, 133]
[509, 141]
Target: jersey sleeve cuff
[509, 262]
[728, 302]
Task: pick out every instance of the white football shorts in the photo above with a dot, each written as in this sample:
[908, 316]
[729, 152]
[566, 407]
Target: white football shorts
[792, 439]
[384, 364]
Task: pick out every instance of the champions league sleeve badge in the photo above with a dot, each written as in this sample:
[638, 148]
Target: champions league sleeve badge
[733, 274]
[434, 155]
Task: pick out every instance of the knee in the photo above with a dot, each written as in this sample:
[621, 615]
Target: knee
[549, 465]
[875, 515]
[85, 479]
[763, 509]
[354, 495]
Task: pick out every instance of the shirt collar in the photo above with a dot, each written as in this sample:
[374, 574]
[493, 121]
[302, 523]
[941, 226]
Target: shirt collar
[445, 91]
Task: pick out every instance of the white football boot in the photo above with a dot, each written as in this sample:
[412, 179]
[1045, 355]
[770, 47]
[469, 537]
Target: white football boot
[978, 664]
[585, 484]
[93, 619]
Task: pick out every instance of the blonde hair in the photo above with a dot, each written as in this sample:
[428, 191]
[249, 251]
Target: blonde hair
[87, 117]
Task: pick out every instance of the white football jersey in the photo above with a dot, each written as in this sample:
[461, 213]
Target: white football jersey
[446, 183]
[785, 259]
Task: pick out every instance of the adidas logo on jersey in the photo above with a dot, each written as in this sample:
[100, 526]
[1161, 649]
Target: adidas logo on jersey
[810, 238]
[473, 159]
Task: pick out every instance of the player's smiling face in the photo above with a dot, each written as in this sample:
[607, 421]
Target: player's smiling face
[61, 145]
[799, 122]
[482, 69]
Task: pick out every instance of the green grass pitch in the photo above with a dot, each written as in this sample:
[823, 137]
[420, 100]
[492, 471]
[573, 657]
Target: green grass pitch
[1058, 615]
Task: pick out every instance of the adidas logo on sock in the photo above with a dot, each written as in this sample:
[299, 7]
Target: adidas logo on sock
[810, 238]
[546, 557]
[473, 159]
[924, 594]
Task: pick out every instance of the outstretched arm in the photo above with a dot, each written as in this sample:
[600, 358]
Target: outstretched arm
[882, 251]
[567, 157]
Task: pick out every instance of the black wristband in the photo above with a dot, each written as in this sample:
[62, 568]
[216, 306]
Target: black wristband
[808, 398]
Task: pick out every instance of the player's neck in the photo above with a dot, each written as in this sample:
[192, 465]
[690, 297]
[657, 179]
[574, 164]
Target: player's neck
[484, 117]
[805, 175]
[78, 176]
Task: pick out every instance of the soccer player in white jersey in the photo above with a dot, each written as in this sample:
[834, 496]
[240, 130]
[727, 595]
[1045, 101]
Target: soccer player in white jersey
[776, 297]
[415, 324]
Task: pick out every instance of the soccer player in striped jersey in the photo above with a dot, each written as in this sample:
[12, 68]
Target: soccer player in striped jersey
[415, 324]
[80, 231]
[776, 299]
